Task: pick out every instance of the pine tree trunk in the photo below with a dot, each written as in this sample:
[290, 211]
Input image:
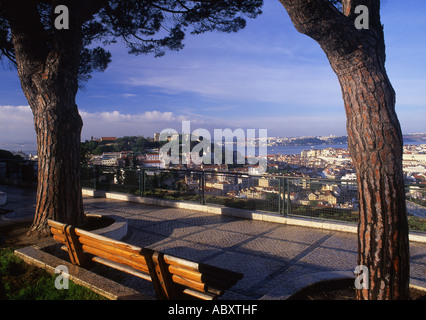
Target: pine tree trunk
[374, 137]
[375, 143]
[58, 126]
[48, 67]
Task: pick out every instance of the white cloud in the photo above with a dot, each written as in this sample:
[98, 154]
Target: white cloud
[286, 84]
[129, 95]
[16, 123]
[120, 124]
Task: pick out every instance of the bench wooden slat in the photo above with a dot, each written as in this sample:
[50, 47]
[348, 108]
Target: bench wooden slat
[185, 273]
[59, 239]
[119, 266]
[190, 265]
[57, 231]
[218, 273]
[199, 295]
[189, 283]
[110, 250]
[115, 243]
[55, 224]
[206, 285]
[115, 258]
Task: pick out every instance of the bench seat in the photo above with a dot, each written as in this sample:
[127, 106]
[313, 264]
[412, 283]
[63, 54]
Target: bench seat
[172, 277]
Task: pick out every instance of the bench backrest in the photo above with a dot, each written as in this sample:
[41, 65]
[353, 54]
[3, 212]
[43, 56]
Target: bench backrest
[172, 277]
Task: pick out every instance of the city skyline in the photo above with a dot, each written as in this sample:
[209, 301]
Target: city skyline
[267, 76]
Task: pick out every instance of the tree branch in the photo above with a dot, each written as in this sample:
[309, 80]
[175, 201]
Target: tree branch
[28, 34]
[88, 8]
[10, 55]
[167, 9]
[335, 31]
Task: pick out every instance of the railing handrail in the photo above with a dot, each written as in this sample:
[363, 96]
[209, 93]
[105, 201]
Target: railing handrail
[245, 175]
[232, 173]
[286, 195]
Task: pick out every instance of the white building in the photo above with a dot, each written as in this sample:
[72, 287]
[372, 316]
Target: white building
[349, 181]
[153, 160]
[256, 170]
[414, 157]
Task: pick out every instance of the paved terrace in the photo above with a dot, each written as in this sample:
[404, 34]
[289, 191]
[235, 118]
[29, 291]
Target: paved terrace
[275, 258]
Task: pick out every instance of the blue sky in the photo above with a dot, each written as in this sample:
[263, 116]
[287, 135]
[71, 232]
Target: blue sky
[267, 76]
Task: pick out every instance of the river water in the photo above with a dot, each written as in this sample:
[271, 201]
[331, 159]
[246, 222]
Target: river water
[31, 147]
[284, 150]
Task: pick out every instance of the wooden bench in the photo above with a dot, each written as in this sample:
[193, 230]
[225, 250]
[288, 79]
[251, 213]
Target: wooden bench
[172, 277]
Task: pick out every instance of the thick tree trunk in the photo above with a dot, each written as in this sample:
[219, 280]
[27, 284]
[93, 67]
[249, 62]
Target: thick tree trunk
[48, 66]
[374, 136]
[58, 126]
[375, 144]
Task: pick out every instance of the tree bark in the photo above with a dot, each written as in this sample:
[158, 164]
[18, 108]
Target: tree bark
[48, 66]
[374, 137]
[58, 126]
[375, 143]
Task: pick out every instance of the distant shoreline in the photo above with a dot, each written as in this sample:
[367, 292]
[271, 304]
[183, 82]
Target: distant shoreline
[293, 147]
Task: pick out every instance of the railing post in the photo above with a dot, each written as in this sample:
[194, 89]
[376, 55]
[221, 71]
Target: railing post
[284, 201]
[282, 196]
[142, 181]
[96, 182]
[279, 196]
[139, 181]
[203, 185]
[288, 197]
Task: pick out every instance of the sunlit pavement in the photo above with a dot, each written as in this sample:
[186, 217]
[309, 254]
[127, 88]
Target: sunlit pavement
[275, 259]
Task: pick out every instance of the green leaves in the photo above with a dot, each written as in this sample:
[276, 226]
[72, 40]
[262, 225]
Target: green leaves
[146, 27]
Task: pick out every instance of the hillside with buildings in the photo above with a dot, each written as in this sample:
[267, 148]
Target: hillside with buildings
[318, 177]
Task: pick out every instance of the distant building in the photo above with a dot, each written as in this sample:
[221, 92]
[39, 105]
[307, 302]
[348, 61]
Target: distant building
[170, 137]
[414, 157]
[324, 196]
[113, 158]
[152, 156]
[256, 170]
[349, 181]
[108, 139]
[153, 160]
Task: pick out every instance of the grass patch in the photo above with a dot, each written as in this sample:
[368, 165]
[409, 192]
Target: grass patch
[20, 281]
[417, 223]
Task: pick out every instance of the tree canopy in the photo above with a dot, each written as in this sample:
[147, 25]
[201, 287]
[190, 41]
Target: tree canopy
[143, 26]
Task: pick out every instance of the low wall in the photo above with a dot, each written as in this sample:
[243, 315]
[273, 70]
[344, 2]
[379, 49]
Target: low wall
[239, 213]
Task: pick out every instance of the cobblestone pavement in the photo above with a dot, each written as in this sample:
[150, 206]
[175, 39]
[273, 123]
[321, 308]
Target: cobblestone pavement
[273, 257]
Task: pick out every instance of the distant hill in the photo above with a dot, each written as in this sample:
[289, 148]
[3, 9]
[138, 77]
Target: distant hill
[4, 154]
[415, 137]
[306, 141]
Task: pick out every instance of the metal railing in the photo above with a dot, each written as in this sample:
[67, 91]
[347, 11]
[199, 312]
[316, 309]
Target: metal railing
[18, 171]
[282, 195]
